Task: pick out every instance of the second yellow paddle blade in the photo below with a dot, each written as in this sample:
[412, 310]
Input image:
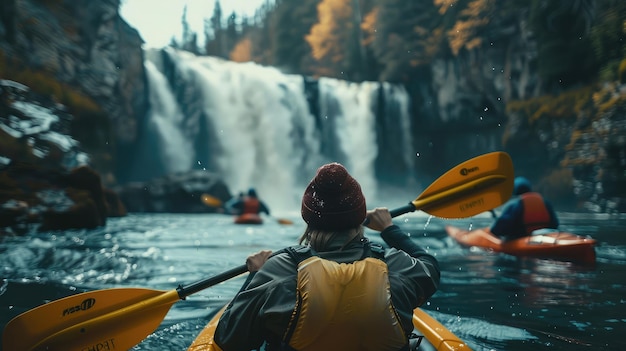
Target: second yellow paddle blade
[472, 187]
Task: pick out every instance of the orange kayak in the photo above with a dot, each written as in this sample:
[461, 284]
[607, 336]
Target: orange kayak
[556, 245]
[248, 218]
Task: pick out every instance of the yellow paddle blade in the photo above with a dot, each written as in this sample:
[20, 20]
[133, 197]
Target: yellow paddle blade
[112, 319]
[472, 187]
[211, 201]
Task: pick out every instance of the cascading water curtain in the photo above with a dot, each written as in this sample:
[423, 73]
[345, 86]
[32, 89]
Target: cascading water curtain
[253, 125]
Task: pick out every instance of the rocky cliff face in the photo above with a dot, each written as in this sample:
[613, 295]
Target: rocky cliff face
[460, 101]
[86, 45]
[571, 145]
[72, 90]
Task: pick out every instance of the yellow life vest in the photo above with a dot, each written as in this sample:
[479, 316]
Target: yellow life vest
[344, 307]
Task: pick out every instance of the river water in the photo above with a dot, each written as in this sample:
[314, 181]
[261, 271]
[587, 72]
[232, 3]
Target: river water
[491, 301]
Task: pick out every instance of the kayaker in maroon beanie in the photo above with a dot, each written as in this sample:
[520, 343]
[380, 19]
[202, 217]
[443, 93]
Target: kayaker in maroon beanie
[336, 291]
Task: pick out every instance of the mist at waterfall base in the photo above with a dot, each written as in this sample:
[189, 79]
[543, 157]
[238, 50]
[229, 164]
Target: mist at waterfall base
[257, 127]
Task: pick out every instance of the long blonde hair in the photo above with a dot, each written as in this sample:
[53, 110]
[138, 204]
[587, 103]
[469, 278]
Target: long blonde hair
[319, 239]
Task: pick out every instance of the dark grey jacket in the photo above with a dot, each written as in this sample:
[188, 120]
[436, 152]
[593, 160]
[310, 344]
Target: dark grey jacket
[262, 309]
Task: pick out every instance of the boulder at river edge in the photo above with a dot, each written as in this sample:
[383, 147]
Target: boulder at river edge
[175, 193]
[37, 198]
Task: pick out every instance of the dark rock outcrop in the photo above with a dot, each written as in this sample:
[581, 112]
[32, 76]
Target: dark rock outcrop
[37, 198]
[86, 45]
[176, 193]
[45, 182]
[36, 129]
[573, 147]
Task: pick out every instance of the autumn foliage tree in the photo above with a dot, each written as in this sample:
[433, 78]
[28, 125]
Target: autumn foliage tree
[395, 40]
[330, 38]
[403, 36]
[289, 23]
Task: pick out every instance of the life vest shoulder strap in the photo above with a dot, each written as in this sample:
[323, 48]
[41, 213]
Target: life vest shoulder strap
[299, 253]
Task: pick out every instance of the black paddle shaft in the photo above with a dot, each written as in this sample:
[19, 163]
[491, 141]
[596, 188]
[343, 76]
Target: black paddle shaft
[402, 210]
[184, 291]
[397, 211]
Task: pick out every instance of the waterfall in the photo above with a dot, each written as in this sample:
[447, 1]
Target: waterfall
[166, 121]
[258, 127]
[353, 130]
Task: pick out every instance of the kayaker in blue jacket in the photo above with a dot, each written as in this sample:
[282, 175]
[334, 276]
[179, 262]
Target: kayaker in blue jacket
[335, 291]
[525, 212]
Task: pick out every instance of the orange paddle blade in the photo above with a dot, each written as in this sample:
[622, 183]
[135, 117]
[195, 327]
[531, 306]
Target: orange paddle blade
[284, 221]
[211, 201]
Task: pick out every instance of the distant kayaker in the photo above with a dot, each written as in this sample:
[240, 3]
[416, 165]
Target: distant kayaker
[249, 204]
[337, 290]
[525, 212]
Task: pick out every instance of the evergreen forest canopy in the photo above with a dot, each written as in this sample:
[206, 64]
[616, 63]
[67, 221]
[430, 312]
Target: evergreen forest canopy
[578, 41]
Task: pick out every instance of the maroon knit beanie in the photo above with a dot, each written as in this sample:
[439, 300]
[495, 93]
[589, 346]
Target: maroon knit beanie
[333, 200]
